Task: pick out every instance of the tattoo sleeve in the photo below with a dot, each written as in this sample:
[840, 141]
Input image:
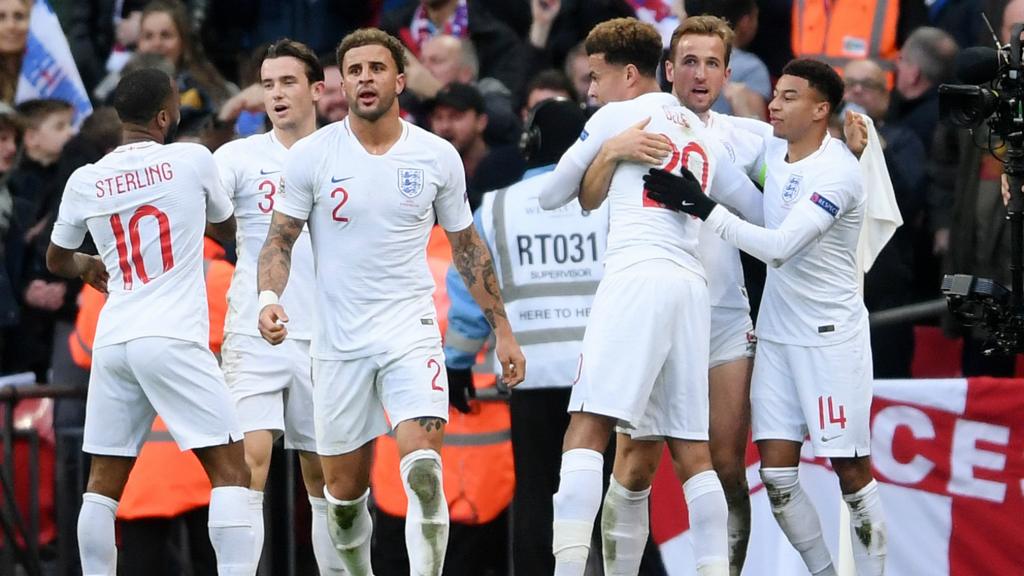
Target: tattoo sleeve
[275, 260]
[473, 261]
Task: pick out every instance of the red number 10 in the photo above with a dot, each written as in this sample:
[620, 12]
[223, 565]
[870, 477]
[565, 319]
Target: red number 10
[136, 251]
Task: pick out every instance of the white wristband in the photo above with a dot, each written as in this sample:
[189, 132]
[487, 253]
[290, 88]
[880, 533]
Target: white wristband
[267, 297]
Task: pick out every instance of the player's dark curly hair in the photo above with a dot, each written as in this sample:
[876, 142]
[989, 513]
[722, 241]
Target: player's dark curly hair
[821, 77]
[288, 47]
[625, 41]
[141, 94]
[370, 37]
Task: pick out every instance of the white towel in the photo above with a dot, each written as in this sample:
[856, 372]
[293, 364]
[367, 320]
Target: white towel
[882, 214]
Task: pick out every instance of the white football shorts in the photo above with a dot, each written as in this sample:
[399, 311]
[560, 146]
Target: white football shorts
[354, 400]
[131, 382]
[732, 335]
[645, 352]
[272, 387]
[821, 391]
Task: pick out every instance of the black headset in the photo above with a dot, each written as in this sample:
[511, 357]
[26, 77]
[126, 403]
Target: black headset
[531, 139]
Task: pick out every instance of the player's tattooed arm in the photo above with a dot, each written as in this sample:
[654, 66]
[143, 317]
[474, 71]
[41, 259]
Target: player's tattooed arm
[275, 261]
[473, 261]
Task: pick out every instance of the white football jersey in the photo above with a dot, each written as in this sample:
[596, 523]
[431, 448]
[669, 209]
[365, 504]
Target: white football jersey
[726, 285]
[814, 298]
[640, 228]
[146, 206]
[370, 217]
[250, 172]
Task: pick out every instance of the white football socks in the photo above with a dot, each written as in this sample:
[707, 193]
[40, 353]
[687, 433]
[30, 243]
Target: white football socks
[625, 524]
[327, 559]
[575, 507]
[867, 526]
[709, 517]
[231, 531]
[426, 518]
[96, 545]
[350, 528]
[797, 518]
[256, 510]
[739, 529]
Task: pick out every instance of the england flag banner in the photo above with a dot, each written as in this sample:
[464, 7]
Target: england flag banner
[949, 458]
[47, 69]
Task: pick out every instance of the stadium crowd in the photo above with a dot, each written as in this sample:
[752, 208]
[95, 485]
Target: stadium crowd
[476, 69]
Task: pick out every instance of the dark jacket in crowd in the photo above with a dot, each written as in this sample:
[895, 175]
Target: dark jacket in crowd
[500, 51]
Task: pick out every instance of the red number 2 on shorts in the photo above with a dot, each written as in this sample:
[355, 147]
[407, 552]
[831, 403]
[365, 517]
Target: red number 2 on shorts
[833, 417]
[432, 363]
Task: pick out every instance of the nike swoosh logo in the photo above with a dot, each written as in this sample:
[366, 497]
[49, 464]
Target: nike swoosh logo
[829, 438]
[685, 203]
[336, 180]
[265, 172]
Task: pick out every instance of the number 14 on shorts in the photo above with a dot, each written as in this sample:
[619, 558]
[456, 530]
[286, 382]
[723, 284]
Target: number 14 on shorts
[836, 413]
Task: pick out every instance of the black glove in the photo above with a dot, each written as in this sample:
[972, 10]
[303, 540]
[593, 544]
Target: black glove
[460, 388]
[679, 193]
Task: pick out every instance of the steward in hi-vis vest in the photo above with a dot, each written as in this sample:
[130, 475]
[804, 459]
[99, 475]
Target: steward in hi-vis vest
[549, 265]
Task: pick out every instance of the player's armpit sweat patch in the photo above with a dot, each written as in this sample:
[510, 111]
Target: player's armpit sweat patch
[825, 204]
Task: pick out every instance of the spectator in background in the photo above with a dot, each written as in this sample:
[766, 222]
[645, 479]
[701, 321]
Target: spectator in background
[500, 49]
[165, 29]
[925, 61]
[458, 115]
[10, 132]
[447, 59]
[890, 282]
[102, 35]
[749, 88]
[555, 26]
[545, 85]
[332, 106]
[47, 128]
[14, 16]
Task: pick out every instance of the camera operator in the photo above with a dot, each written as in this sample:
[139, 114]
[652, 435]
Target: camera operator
[979, 241]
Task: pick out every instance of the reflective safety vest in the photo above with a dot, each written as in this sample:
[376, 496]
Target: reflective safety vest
[549, 265]
[479, 476]
[839, 31]
[165, 481]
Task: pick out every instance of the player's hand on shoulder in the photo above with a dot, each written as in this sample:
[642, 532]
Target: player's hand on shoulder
[855, 130]
[682, 193]
[272, 323]
[94, 272]
[634, 144]
[513, 362]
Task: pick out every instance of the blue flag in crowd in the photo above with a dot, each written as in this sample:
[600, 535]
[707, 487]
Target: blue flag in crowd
[48, 70]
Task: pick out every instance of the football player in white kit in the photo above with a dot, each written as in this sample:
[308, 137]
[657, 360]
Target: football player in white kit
[370, 188]
[146, 205]
[271, 385]
[812, 374]
[698, 69]
[653, 299]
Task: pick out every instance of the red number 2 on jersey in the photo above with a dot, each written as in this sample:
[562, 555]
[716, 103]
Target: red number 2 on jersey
[344, 198]
[136, 249]
[676, 161]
